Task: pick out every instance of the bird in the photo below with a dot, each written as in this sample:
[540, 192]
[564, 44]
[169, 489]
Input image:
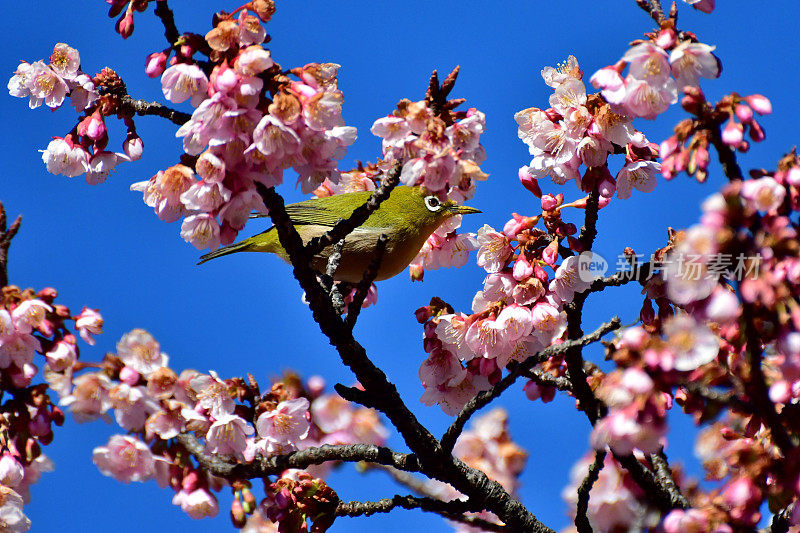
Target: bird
[407, 217]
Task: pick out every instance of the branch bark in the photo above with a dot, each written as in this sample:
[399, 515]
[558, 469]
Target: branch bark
[6, 234]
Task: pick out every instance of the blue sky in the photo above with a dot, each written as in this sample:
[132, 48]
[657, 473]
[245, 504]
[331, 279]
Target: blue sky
[102, 247]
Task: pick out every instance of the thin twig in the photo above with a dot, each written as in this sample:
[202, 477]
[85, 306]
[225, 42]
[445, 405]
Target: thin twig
[664, 475]
[757, 387]
[327, 279]
[657, 493]
[142, 108]
[316, 455]
[6, 234]
[163, 12]
[581, 517]
[452, 510]
[482, 399]
[653, 8]
[383, 394]
[366, 282]
[360, 214]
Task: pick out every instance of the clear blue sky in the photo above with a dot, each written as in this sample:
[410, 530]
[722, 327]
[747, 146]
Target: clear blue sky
[102, 247]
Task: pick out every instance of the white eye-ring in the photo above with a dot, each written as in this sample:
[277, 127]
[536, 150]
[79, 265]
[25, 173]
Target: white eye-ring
[432, 203]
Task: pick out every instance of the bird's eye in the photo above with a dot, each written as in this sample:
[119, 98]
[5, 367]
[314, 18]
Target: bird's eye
[432, 203]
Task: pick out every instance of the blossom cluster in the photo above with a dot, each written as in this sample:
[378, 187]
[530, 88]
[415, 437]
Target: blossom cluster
[657, 69]
[441, 152]
[519, 312]
[250, 123]
[153, 404]
[580, 129]
[487, 445]
[32, 323]
[84, 149]
[687, 150]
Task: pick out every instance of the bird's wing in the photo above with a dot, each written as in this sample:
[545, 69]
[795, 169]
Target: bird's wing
[326, 211]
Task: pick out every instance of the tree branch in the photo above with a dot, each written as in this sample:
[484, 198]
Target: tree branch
[654, 9]
[363, 286]
[262, 467]
[452, 510]
[164, 13]
[581, 518]
[142, 108]
[359, 215]
[483, 398]
[757, 387]
[6, 234]
[382, 393]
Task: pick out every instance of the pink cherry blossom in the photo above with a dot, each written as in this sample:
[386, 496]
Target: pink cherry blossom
[212, 394]
[690, 61]
[201, 231]
[568, 280]
[45, 86]
[140, 351]
[640, 175]
[228, 435]
[648, 101]
[549, 323]
[184, 81]
[11, 471]
[89, 398]
[763, 194]
[61, 157]
[29, 315]
[11, 515]
[285, 426]
[62, 356]
[692, 343]
[65, 61]
[198, 503]
[494, 249]
[89, 323]
[648, 63]
[125, 458]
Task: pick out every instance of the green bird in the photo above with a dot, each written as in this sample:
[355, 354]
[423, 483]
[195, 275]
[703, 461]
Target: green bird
[407, 218]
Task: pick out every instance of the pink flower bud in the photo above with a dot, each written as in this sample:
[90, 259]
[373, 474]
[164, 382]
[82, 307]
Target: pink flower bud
[607, 188]
[744, 113]
[756, 132]
[529, 182]
[95, 127]
[549, 202]
[133, 147]
[733, 133]
[487, 366]
[522, 268]
[125, 25]
[760, 104]
[316, 385]
[129, 376]
[793, 176]
[666, 38]
[416, 271]
[550, 253]
[668, 147]
[155, 64]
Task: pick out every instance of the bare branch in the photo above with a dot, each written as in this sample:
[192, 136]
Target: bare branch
[483, 398]
[6, 234]
[452, 510]
[142, 108]
[163, 12]
[359, 215]
[363, 286]
[267, 466]
[581, 519]
[664, 475]
[653, 8]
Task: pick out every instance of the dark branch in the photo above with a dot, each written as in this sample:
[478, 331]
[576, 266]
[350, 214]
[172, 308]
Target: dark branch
[658, 494]
[6, 234]
[653, 8]
[163, 12]
[274, 465]
[757, 387]
[327, 280]
[483, 398]
[664, 475]
[725, 154]
[359, 215]
[366, 282]
[142, 108]
[452, 510]
[581, 518]
[382, 393]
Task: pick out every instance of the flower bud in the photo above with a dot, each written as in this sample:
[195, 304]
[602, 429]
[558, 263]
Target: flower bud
[155, 64]
[124, 25]
[759, 103]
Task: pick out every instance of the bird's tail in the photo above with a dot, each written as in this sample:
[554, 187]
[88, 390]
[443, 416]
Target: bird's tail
[225, 250]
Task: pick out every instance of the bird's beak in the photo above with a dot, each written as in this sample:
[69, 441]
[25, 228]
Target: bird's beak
[463, 210]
